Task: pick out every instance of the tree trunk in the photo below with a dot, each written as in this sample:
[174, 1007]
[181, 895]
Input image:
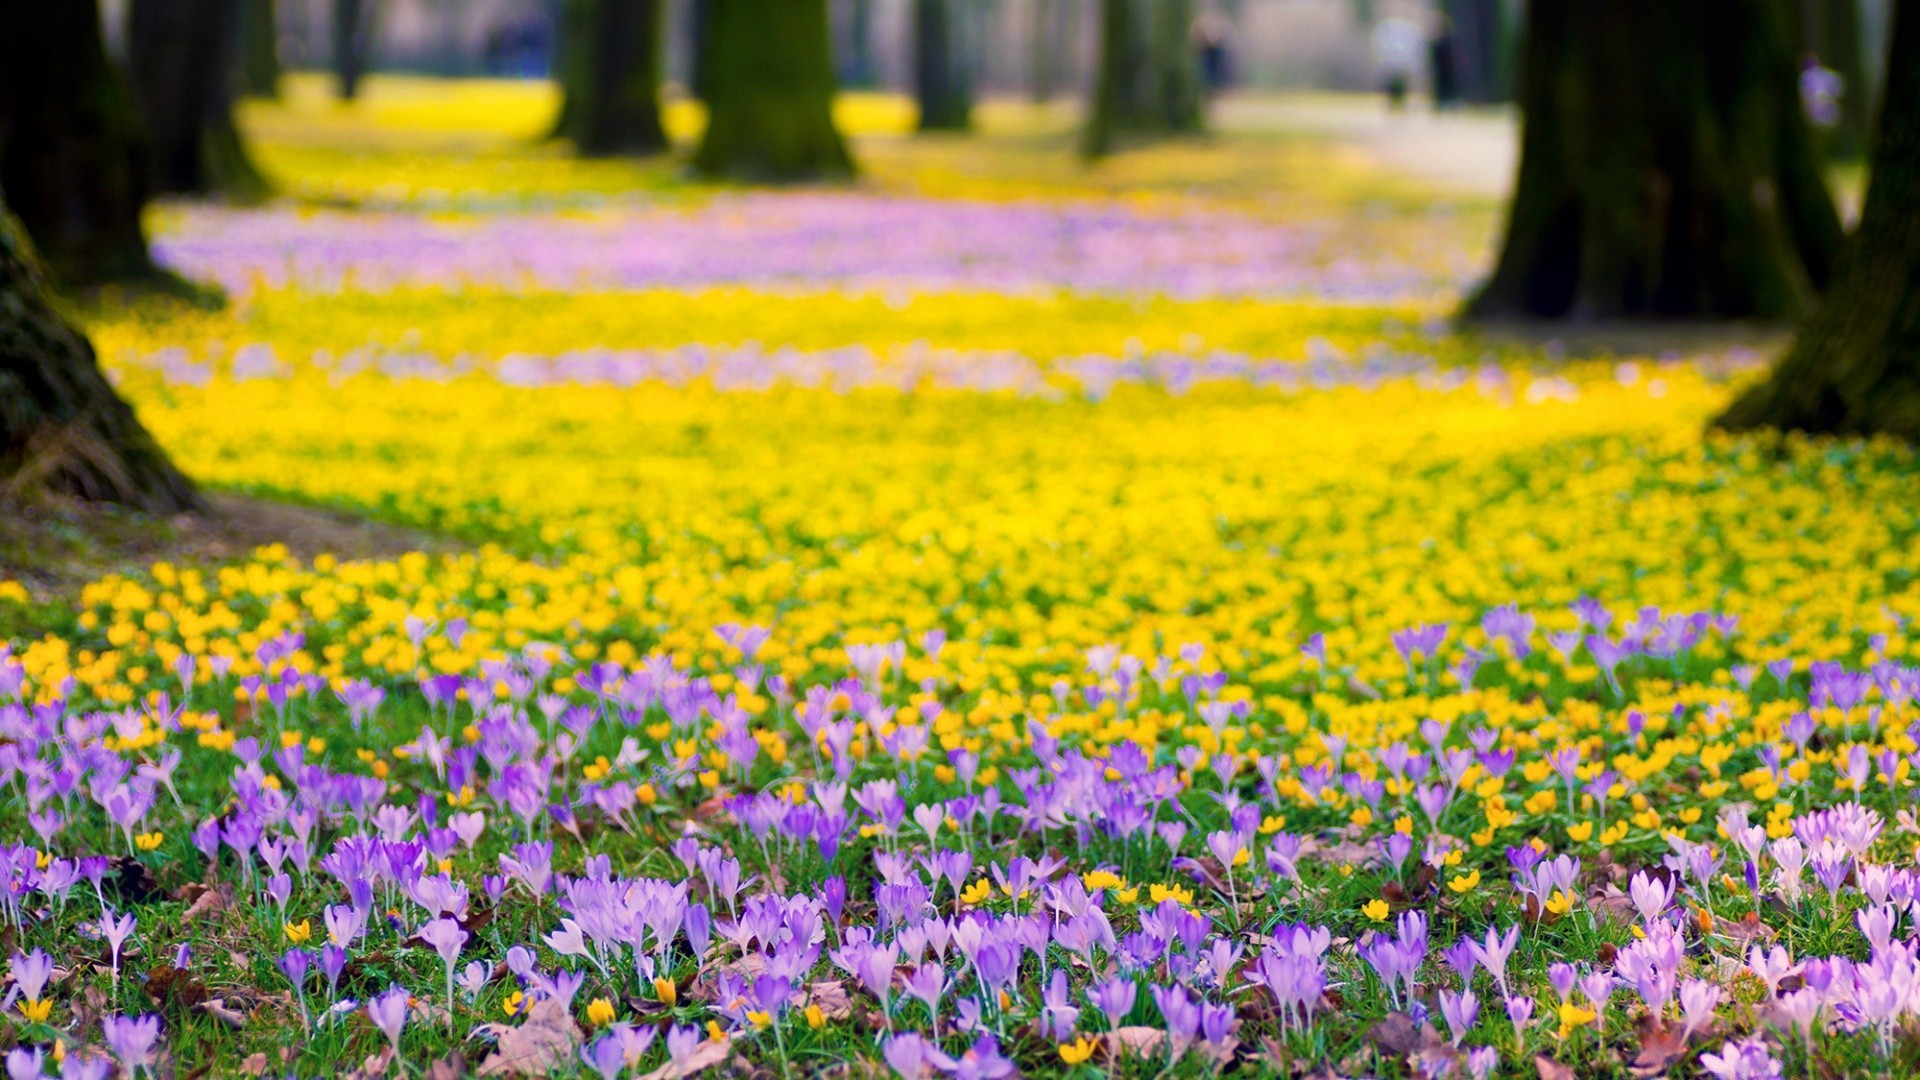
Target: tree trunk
[1855, 368]
[1482, 48]
[1832, 33]
[1666, 170]
[259, 49]
[181, 53]
[1148, 82]
[940, 77]
[71, 160]
[770, 92]
[1045, 42]
[352, 43]
[856, 64]
[62, 427]
[611, 76]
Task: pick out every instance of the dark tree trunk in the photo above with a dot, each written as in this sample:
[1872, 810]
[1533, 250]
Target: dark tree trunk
[1855, 368]
[70, 156]
[1148, 82]
[1482, 43]
[611, 77]
[1666, 168]
[352, 43]
[181, 53]
[1045, 42]
[1832, 32]
[941, 82]
[770, 92]
[62, 427]
[260, 68]
[699, 37]
[856, 51]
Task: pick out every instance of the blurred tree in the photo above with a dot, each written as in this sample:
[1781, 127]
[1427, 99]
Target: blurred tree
[1482, 44]
[1148, 81]
[62, 427]
[942, 83]
[259, 49]
[610, 61]
[1045, 36]
[71, 160]
[1666, 167]
[856, 53]
[770, 85]
[353, 28]
[181, 54]
[1832, 34]
[1855, 368]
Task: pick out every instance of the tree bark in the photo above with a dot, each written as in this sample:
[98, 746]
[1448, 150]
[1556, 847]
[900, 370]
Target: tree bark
[1667, 169]
[856, 51]
[770, 92]
[181, 53]
[1044, 79]
[1855, 367]
[260, 67]
[71, 159]
[942, 83]
[352, 43]
[1482, 47]
[1148, 81]
[1832, 32]
[62, 427]
[611, 76]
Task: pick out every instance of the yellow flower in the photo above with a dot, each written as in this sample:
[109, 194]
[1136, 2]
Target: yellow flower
[759, 1018]
[600, 1012]
[1465, 882]
[299, 932]
[1375, 909]
[148, 841]
[514, 1003]
[977, 892]
[37, 1012]
[815, 1018]
[1572, 1016]
[1101, 879]
[1077, 1051]
[666, 991]
[1580, 832]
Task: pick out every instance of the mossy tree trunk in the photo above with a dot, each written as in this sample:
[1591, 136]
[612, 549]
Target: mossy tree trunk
[770, 85]
[260, 67]
[1148, 80]
[182, 57]
[610, 72]
[1667, 169]
[1833, 32]
[62, 426]
[353, 26]
[71, 161]
[1855, 368]
[942, 84]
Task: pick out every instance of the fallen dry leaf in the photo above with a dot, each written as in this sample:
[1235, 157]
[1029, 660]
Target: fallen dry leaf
[1661, 1047]
[830, 995]
[221, 1011]
[1550, 1069]
[543, 1043]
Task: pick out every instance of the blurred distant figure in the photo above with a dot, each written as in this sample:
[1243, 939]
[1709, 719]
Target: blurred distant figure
[1821, 89]
[1210, 32]
[1397, 47]
[1446, 73]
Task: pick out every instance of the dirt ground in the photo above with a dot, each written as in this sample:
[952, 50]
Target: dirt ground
[53, 547]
